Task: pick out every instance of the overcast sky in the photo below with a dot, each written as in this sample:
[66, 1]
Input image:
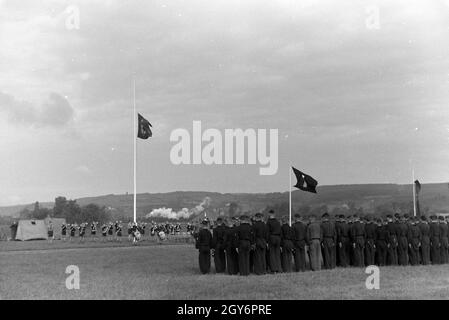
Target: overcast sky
[353, 104]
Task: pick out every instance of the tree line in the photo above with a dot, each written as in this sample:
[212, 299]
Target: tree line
[74, 213]
[70, 210]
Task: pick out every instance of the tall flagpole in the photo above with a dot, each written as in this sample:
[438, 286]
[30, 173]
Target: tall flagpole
[414, 192]
[135, 151]
[290, 195]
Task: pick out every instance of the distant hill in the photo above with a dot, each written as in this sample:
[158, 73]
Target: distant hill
[371, 197]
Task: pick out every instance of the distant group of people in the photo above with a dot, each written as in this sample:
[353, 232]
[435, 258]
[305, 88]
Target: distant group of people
[69, 231]
[113, 231]
[110, 231]
[254, 245]
[166, 228]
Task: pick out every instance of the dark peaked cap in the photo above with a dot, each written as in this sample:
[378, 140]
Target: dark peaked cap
[305, 182]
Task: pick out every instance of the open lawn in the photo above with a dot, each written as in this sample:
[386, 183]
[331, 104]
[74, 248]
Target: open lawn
[36, 270]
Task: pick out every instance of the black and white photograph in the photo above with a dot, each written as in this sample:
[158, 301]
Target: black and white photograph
[224, 150]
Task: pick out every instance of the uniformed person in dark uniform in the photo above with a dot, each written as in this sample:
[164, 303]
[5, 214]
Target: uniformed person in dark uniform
[245, 239]
[350, 222]
[274, 242]
[299, 242]
[402, 231]
[314, 243]
[73, 228]
[435, 243]
[414, 241]
[337, 223]
[63, 231]
[218, 235]
[204, 246]
[14, 228]
[333, 221]
[343, 242]
[50, 232]
[230, 243]
[287, 237]
[104, 231]
[261, 242]
[82, 231]
[93, 230]
[328, 241]
[370, 242]
[424, 228]
[447, 223]
[111, 231]
[119, 230]
[443, 240]
[382, 242]
[397, 227]
[358, 241]
[251, 252]
[392, 255]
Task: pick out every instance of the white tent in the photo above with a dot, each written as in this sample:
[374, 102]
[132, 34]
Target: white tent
[31, 230]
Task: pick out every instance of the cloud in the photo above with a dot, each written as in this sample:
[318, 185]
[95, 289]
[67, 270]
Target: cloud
[55, 111]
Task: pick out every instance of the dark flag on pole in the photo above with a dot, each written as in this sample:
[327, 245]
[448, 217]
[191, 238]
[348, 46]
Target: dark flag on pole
[417, 187]
[305, 182]
[417, 190]
[144, 131]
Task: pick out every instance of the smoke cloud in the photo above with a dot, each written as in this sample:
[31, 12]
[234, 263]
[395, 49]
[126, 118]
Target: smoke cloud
[184, 213]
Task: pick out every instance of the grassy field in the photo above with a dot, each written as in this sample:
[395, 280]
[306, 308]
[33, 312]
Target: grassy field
[36, 270]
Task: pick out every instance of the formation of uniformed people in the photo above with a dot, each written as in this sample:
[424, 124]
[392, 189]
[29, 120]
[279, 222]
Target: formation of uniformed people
[167, 228]
[254, 245]
[113, 231]
[108, 230]
[70, 230]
